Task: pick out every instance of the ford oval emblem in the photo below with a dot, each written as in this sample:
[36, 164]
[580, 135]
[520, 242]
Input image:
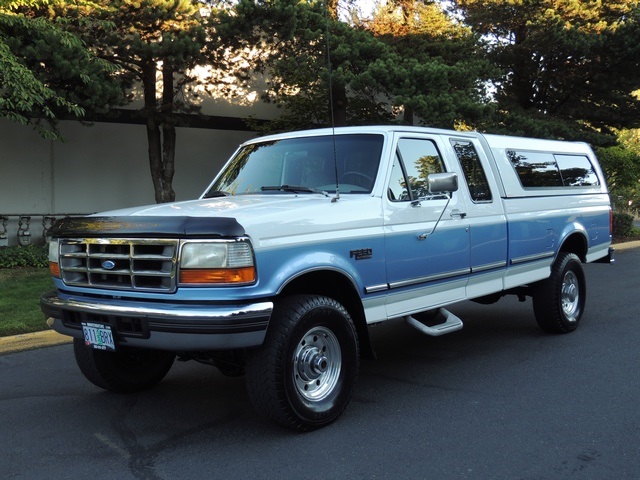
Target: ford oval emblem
[108, 264]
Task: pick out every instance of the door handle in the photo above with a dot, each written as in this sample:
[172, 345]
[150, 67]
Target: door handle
[458, 213]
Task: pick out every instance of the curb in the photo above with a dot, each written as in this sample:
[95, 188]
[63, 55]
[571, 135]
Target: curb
[48, 338]
[626, 246]
[30, 341]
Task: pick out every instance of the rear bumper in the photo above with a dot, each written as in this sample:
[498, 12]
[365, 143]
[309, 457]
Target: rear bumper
[609, 258]
[160, 325]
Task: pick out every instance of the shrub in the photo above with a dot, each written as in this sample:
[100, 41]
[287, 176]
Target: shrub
[622, 169]
[29, 256]
[622, 224]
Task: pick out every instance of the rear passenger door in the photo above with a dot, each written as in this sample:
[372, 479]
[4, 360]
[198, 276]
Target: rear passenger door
[426, 264]
[485, 216]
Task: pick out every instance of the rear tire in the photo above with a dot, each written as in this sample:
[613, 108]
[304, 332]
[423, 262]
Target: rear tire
[558, 302]
[303, 375]
[124, 371]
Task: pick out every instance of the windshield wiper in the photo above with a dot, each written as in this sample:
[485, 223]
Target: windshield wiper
[292, 188]
[216, 193]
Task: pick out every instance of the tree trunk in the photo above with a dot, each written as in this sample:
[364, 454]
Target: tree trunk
[154, 139]
[523, 69]
[168, 162]
[161, 133]
[168, 132]
[340, 102]
[407, 115]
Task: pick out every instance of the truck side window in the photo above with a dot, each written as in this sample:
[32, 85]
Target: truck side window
[473, 171]
[415, 160]
[535, 169]
[576, 171]
[398, 191]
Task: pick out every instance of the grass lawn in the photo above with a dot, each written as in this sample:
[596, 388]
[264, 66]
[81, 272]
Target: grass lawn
[20, 290]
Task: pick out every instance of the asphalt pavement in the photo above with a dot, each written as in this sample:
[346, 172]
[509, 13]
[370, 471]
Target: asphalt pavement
[499, 399]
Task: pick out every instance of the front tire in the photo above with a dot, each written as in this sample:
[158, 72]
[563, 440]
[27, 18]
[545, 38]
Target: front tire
[558, 302]
[126, 370]
[303, 375]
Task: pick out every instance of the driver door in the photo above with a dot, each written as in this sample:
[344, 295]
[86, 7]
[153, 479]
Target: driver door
[427, 242]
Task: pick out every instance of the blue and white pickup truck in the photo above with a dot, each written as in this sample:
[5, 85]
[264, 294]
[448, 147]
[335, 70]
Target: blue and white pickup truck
[305, 239]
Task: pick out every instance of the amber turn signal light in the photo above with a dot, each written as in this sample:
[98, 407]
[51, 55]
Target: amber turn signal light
[54, 268]
[218, 275]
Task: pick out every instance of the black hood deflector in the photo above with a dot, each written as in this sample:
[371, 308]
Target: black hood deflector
[147, 227]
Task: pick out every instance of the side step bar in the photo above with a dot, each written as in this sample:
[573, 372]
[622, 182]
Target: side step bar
[451, 324]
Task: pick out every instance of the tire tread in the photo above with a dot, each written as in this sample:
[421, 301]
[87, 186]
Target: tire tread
[265, 370]
[546, 297]
[101, 368]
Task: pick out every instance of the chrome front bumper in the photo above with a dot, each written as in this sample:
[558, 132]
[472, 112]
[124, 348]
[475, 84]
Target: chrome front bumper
[160, 325]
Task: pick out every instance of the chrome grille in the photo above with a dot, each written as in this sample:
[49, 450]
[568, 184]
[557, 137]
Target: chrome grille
[123, 264]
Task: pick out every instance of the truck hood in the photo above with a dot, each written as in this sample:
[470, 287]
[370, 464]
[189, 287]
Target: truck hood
[269, 216]
[241, 206]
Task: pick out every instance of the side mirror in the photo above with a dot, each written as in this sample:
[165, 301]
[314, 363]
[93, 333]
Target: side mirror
[440, 183]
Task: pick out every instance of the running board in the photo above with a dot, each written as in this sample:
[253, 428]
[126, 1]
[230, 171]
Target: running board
[451, 324]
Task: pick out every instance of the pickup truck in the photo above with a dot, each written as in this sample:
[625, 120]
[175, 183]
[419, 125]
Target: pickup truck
[306, 239]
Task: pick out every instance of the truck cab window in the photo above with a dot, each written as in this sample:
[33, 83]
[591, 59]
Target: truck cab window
[415, 159]
[473, 172]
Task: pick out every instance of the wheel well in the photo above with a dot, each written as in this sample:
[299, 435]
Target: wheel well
[337, 286]
[575, 243]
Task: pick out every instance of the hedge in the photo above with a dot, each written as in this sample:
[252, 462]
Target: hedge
[29, 256]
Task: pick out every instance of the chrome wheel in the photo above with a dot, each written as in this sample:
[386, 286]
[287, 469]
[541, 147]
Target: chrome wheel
[317, 364]
[304, 373]
[558, 301]
[570, 296]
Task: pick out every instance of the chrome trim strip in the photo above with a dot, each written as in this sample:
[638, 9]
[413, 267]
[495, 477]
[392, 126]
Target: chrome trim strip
[376, 288]
[430, 278]
[531, 258]
[51, 301]
[488, 266]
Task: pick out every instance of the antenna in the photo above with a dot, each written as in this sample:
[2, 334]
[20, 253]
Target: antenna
[333, 123]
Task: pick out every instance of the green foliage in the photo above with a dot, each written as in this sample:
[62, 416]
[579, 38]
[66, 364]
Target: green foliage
[630, 138]
[438, 72]
[46, 72]
[622, 224]
[20, 291]
[62, 57]
[546, 68]
[155, 41]
[294, 56]
[571, 63]
[155, 44]
[622, 169]
[29, 256]
[369, 73]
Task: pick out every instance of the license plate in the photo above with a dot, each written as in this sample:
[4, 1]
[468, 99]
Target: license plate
[98, 336]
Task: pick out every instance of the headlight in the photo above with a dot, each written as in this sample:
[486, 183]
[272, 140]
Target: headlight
[204, 255]
[224, 262]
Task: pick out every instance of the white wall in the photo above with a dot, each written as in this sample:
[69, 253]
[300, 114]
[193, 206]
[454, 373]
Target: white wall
[100, 167]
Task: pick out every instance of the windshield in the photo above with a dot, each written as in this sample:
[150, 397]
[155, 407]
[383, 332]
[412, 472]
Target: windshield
[303, 165]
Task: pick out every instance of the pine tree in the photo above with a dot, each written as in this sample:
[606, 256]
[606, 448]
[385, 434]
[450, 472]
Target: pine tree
[568, 67]
[364, 72]
[443, 75]
[156, 44]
